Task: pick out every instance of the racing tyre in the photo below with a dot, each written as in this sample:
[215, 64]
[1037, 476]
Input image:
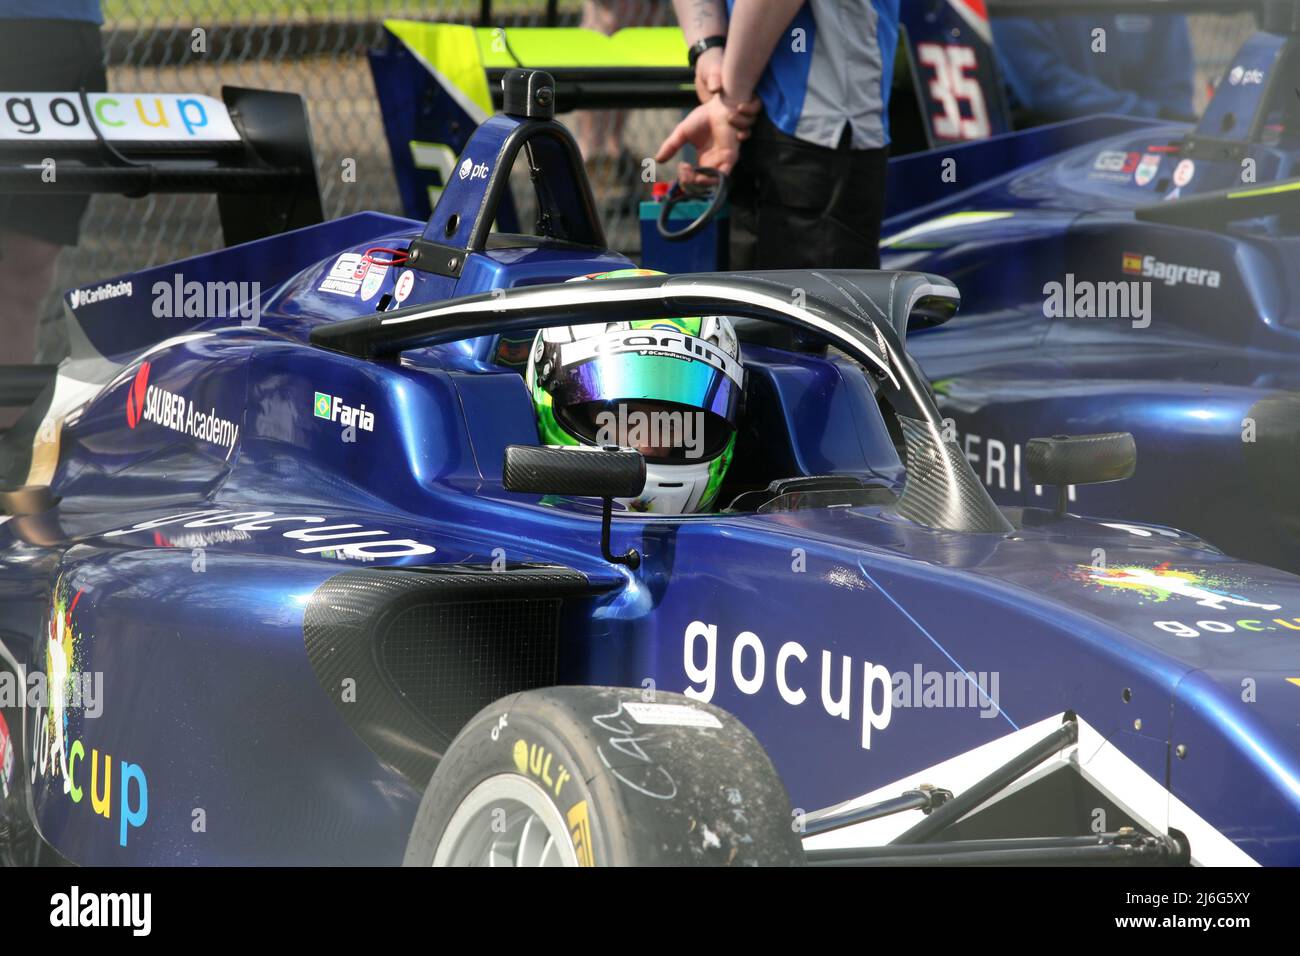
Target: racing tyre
[595, 776]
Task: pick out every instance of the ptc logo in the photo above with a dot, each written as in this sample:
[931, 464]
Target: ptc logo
[470, 170]
[135, 397]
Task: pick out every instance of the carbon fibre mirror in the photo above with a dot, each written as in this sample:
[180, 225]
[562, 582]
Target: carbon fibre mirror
[605, 473]
[1065, 460]
[576, 472]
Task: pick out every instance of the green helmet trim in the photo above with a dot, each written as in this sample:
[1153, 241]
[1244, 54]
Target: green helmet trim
[553, 432]
[549, 429]
[717, 471]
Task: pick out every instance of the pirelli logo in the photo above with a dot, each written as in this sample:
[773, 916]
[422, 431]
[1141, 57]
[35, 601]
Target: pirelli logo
[580, 833]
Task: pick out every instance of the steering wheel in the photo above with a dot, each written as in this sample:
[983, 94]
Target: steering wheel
[680, 192]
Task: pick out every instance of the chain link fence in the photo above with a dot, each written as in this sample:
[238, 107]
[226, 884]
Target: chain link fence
[318, 49]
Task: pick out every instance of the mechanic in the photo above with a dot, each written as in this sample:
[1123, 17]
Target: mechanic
[794, 102]
[670, 388]
[1055, 73]
[45, 46]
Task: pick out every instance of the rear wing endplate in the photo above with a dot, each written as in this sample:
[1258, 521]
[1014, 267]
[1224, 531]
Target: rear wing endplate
[252, 149]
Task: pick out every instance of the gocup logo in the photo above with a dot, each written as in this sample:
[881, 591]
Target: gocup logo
[135, 397]
[319, 536]
[789, 671]
[471, 170]
[138, 117]
[794, 672]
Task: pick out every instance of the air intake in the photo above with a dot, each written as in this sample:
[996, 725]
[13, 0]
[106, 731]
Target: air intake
[410, 655]
[451, 660]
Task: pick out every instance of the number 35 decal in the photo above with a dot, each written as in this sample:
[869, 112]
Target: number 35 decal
[951, 86]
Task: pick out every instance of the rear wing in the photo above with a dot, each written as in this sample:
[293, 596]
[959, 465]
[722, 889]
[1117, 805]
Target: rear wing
[252, 148]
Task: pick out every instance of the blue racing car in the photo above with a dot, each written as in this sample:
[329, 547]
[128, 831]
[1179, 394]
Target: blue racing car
[1128, 274]
[382, 541]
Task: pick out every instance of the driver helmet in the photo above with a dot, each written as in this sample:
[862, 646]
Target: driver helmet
[669, 388]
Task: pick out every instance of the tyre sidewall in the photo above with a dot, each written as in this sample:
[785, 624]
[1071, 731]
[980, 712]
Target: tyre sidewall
[524, 747]
[630, 794]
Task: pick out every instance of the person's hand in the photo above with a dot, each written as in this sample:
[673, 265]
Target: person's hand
[717, 143]
[708, 74]
[716, 130]
[708, 84]
[742, 114]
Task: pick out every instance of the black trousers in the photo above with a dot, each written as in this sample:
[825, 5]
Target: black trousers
[795, 205]
[48, 56]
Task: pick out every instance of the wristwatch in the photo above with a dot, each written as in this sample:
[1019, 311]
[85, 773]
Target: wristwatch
[699, 47]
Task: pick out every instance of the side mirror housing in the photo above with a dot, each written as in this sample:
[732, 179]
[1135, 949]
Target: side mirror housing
[605, 473]
[1065, 460]
[576, 472]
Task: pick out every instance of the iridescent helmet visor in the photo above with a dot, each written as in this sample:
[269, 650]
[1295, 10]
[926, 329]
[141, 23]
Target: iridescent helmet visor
[643, 370]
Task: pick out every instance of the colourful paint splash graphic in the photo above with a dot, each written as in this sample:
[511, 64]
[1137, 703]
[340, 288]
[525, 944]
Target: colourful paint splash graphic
[63, 661]
[58, 754]
[1162, 582]
[6, 758]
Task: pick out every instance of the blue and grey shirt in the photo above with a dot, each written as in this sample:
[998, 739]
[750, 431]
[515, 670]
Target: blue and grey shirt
[833, 67]
[87, 11]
